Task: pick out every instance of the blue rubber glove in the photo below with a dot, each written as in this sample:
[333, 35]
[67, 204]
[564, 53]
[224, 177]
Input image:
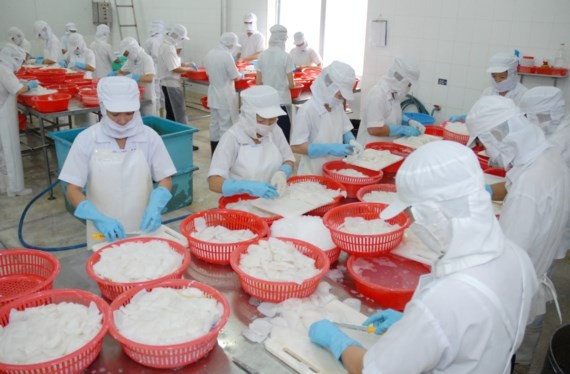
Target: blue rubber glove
[136, 77]
[254, 188]
[489, 189]
[325, 334]
[158, 200]
[287, 169]
[405, 119]
[80, 65]
[320, 150]
[347, 137]
[62, 63]
[194, 66]
[39, 60]
[397, 130]
[32, 84]
[110, 227]
[383, 320]
[460, 117]
[113, 74]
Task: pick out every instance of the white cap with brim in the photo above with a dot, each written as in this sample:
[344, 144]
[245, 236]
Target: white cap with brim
[119, 94]
[344, 76]
[487, 113]
[502, 62]
[262, 100]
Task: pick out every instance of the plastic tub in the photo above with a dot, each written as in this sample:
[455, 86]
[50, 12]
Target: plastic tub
[389, 280]
[52, 103]
[68, 88]
[219, 253]
[22, 121]
[374, 187]
[75, 75]
[242, 84]
[110, 290]
[90, 101]
[495, 171]
[364, 244]
[453, 136]
[311, 71]
[25, 271]
[276, 292]
[483, 160]
[395, 149]
[424, 119]
[176, 355]
[30, 99]
[199, 75]
[204, 101]
[352, 184]
[78, 360]
[434, 130]
[329, 183]
[296, 91]
[225, 200]
[526, 69]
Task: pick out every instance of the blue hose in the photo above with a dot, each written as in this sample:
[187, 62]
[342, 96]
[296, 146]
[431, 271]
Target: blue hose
[55, 249]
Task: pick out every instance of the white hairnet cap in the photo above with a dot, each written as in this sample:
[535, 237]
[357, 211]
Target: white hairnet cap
[299, 38]
[102, 30]
[39, 26]
[180, 30]
[407, 68]
[14, 31]
[539, 100]
[489, 112]
[70, 26]
[249, 17]
[502, 62]
[76, 40]
[262, 100]
[344, 76]
[128, 44]
[119, 94]
[438, 171]
[229, 39]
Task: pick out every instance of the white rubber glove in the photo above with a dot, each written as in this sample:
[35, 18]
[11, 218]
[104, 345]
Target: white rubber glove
[415, 124]
[358, 148]
[279, 180]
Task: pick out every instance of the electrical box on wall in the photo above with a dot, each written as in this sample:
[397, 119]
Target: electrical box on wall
[379, 32]
[102, 13]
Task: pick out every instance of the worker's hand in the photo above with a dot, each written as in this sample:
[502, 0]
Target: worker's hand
[347, 137]
[383, 320]
[320, 150]
[397, 130]
[358, 148]
[253, 188]
[325, 334]
[158, 200]
[113, 74]
[489, 189]
[32, 84]
[194, 66]
[79, 65]
[110, 227]
[460, 117]
[279, 179]
[62, 63]
[39, 60]
[416, 125]
[136, 77]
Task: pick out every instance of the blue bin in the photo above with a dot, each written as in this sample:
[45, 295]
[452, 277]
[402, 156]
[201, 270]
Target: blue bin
[424, 119]
[178, 139]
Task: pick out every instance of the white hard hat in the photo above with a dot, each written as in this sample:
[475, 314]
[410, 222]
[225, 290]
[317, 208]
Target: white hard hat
[489, 112]
[262, 100]
[344, 76]
[119, 94]
[502, 62]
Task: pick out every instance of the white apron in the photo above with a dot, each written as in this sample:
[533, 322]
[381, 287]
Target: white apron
[11, 168]
[119, 185]
[330, 132]
[256, 162]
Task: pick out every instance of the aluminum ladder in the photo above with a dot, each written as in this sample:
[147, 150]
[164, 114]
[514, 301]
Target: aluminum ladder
[127, 9]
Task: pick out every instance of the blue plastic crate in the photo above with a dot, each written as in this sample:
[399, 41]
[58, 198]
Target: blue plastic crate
[424, 119]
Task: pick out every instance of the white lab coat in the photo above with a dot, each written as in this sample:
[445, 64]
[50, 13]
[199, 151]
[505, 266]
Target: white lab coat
[515, 94]
[274, 64]
[380, 109]
[52, 49]
[151, 46]
[104, 58]
[143, 65]
[238, 157]
[222, 97]
[560, 138]
[11, 167]
[168, 60]
[305, 57]
[251, 44]
[87, 57]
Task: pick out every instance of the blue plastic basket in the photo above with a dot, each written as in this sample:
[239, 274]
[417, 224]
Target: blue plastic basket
[424, 119]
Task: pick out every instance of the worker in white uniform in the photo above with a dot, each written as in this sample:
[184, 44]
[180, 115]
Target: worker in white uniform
[275, 68]
[322, 130]
[302, 54]
[222, 97]
[52, 46]
[536, 200]
[252, 41]
[253, 156]
[468, 315]
[382, 113]
[70, 28]
[79, 57]
[104, 56]
[504, 80]
[151, 46]
[139, 66]
[117, 160]
[17, 37]
[11, 167]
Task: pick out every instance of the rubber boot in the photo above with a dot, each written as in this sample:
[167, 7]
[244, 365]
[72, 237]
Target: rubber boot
[213, 146]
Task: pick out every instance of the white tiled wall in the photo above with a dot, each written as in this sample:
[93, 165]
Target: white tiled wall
[454, 39]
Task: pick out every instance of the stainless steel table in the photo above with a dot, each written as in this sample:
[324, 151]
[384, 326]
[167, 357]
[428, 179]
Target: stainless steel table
[231, 343]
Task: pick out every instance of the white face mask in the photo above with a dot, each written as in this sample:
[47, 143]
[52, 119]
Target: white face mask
[114, 130]
[432, 227]
[506, 85]
[263, 130]
[17, 39]
[43, 34]
[500, 153]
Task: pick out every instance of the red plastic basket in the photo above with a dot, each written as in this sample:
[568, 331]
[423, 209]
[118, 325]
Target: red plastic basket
[76, 361]
[89, 100]
[68, 88]
[374, 187]
[434, 130]
[52, 103]
[483, 160]
[333, 254]
[204, 101]
[225, 200]
[296, 91]
[110, 290]
[276, 292]
[394, 296]
[329, 183]
[22, 121]
[453, 136]
[311, 71]
[219, 253]
[75, 75]
[393, 148]
[25, 271]
[495, 171]
[199, 75]
[352, 184]
[175, 355]
[242, 84]
[30, 99]
[364, 244]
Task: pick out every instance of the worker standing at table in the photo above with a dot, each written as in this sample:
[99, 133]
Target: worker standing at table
[275, 68]
[322, 130]
[253, 156]
[302, 54]
[70, 29]
[117, 160]
[382, 114]
[252, 41]
[222, 97]
[104, 56]
[79, 57]
[11, 168]
[52, 46]
[468, 314]
[17, 37]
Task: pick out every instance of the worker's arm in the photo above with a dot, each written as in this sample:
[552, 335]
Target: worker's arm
[215, 183]
[302, 149]
[353, 359]
[252, 57]
[166, 182]
[147, 78]
[182, 69]
[258, 78]
[290, 79]
[75, 194]
[379, 131]
[47, 61]
[499, 191]
[89, 68]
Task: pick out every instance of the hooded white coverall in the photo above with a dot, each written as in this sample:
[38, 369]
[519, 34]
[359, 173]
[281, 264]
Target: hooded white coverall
[304, 55]
[138, 62]
[17, 37]
[104, 55]
[151, 46]
[52, 45]
[253, 43]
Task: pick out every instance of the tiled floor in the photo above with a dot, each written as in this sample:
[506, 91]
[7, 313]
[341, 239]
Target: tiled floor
[49, 225]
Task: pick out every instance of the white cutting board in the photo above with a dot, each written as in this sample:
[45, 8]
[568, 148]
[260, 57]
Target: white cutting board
[376, 165]
[163, 232]
[412, 249]
[288, 207]
[315, 359]
[415, 144]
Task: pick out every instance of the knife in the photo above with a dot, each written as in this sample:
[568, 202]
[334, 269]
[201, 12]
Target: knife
[369, 329]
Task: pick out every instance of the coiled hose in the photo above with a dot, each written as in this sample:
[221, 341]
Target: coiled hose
[411, 100]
